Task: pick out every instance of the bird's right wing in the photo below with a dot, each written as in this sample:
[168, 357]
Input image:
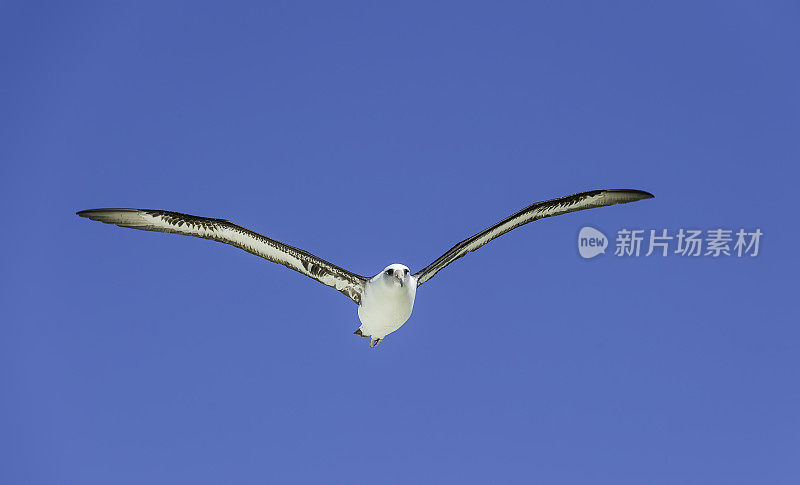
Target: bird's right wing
[350, 284]
[539, 210]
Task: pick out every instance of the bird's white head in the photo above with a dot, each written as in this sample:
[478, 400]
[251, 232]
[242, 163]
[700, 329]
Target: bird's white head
[396, 275]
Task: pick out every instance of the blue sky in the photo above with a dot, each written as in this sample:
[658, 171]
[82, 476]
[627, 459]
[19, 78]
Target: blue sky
[375, 133]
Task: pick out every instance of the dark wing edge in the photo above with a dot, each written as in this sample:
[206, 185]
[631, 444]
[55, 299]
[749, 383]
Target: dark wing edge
[539, 210]
[221, 230]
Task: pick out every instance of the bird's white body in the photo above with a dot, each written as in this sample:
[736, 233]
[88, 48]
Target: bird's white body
[386, 302]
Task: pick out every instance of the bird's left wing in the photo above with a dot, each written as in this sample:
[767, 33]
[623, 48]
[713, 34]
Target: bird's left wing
[539, 210]
[223, 231]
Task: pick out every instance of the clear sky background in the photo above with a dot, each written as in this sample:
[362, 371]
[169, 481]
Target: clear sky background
[374, 133]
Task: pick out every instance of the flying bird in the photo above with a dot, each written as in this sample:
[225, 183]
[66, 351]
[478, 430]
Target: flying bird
[385, 300]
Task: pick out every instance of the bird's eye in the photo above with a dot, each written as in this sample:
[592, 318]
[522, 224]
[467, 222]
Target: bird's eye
[389, 272]
[406, 270]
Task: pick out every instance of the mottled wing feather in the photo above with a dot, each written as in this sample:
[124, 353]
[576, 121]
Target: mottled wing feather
[227, 232]
[539, 210]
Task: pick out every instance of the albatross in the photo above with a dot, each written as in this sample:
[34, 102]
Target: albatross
[385, 301]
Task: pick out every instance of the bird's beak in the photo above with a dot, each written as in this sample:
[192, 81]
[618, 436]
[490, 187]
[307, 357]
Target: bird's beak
[399, 278]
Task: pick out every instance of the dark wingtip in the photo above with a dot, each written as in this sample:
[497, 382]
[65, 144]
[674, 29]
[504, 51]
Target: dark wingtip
[640, 193]
[645, 195]
[93, 212]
